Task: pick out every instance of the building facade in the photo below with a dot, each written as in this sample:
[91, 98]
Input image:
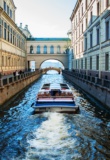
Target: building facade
[18, 48]
[12, 40]
[90, 23]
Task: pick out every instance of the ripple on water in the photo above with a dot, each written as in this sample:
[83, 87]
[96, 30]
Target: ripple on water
[52, 139]
[53, 136]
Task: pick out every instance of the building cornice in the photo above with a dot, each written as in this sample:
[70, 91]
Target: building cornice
[48, 39]
[13, 3]
[75, 9]
[2, 12]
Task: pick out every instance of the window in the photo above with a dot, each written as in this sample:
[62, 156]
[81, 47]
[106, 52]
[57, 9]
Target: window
[98, 36]
[10, 13]
[45, 49]
[5, 35]
[86, 4]
[82, 46]
[81, 63]
[8, 10]
[91, 41]
[85, 63]
[76, 64]
[91, 17]
[11, 36]
[107, 3]
[18, 42]
[107, 30]
[86, 23]
[106, 61]
[8, 33]
[90, 62]
[76, 20]
[31, 49]
[14, 39]
[82, 27]
[98, 9]
[38, 49]
[76, 48]
[79, 48]
[97, 62]
[58, 49]
[82, 9]
[79, 15]
[2, 60]
[86, 42]
[51, 50]
[6, 64]
[15, 42]
[5, 6]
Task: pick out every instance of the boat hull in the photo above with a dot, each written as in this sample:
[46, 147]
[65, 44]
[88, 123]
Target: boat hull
[56, 108]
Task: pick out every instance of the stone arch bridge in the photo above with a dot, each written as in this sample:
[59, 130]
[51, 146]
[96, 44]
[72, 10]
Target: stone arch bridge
[42, 49]
[44, 70]
[39, 59]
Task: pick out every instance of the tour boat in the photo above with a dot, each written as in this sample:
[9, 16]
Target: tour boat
[55, 97]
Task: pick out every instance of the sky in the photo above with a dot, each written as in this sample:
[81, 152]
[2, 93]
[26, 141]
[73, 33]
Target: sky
[45, 18]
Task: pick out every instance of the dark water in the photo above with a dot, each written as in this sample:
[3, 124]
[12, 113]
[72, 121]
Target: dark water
[54, 136]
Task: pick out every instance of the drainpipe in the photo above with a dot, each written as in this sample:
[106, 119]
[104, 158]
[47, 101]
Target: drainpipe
[100, 55]
[1, 45]
[79, 61]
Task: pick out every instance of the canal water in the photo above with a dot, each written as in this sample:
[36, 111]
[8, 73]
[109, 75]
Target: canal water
[25, 135]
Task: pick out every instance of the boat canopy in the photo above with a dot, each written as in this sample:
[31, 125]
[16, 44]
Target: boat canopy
[55, 86]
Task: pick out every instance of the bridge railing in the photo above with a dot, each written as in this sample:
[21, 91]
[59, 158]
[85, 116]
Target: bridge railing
[51, 68]
[89, 78]
[12, 79]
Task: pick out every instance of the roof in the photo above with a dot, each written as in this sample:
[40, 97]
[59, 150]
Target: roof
[48, 39]
[13, 3]
[75, 9]
[55, 86]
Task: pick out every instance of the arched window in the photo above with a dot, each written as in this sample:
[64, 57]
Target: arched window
[31, 49]
[38, 49]
[58, 49]
[51, 50]
[45, 49]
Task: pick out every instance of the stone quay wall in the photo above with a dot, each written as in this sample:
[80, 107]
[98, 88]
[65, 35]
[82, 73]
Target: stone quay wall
[10, 86]
[99, 89]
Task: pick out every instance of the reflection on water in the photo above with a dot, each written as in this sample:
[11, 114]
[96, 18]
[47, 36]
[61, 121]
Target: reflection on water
[54, 136]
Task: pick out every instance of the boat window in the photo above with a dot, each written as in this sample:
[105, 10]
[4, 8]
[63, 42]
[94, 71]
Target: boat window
[46, 86]
[64, 86]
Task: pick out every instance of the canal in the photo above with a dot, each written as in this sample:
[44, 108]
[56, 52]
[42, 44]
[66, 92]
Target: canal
[25, 135]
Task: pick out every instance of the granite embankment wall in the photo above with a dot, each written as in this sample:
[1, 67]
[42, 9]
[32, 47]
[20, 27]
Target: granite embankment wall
[95, 87]
[9, 87]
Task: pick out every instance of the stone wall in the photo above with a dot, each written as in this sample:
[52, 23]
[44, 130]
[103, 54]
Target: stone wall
[94, 88]
[9, 88]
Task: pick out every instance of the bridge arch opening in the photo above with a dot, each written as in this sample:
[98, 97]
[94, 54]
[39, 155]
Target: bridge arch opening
[52, 66]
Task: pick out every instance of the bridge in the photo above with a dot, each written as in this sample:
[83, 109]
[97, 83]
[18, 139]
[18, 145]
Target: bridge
[44, 70]
[41, 49]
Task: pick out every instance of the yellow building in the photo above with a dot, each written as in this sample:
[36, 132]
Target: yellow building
[12, 40]
[18, 48]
